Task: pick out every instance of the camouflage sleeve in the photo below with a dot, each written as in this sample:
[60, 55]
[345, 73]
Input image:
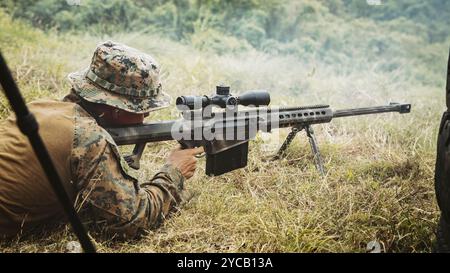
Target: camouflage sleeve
[112, 197]
[125, 206]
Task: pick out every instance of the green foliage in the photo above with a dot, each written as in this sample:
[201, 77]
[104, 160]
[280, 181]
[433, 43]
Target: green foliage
[211, 39]
[346, 33]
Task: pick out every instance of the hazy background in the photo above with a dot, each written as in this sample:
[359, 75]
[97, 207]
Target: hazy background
[349, 35]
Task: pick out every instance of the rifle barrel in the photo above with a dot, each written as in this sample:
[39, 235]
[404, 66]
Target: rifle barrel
[393, 107]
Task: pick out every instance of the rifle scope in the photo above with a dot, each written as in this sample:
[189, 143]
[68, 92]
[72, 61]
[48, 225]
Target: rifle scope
[223, 98]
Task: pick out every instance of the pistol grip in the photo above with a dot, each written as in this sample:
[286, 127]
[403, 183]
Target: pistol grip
[134, 159]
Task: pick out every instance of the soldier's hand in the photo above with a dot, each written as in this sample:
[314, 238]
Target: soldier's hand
[184, 160]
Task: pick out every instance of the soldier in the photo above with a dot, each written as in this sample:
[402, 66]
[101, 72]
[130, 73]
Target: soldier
[120, 87]
[442, 175]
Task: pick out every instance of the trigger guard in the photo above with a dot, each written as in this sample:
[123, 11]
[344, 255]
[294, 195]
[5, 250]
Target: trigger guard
[190, 144]
[184, 145]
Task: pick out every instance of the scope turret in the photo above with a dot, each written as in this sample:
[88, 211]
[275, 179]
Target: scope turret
[223, 98]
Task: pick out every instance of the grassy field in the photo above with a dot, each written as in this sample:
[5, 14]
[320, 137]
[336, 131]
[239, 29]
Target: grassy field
[379, 182]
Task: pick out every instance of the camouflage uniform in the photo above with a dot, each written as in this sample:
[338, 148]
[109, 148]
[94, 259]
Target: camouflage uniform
[93, 171]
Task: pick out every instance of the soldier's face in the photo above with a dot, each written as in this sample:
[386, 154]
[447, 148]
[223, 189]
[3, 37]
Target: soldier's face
[121, 117]
[111, 116]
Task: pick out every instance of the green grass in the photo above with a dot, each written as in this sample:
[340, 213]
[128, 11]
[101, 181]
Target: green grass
[379, 184]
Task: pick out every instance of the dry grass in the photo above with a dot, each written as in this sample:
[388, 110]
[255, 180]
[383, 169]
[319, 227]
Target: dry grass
[379, 184]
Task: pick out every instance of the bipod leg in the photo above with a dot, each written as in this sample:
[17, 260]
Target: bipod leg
[287, 142]
[315, 149]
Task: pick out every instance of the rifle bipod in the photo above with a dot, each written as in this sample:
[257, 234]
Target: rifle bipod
[312, 142]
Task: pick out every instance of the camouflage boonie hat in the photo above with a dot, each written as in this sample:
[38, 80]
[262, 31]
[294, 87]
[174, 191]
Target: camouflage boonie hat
[122, 77]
